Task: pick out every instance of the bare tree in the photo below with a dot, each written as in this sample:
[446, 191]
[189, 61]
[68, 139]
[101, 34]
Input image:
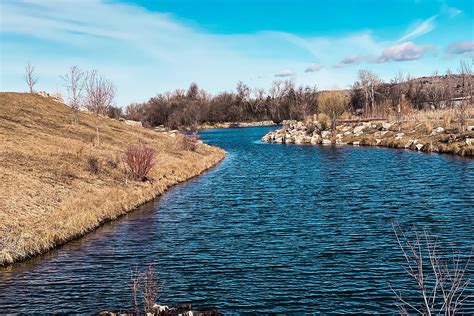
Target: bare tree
[73, 80]
[368, 83]
[30, 77]
[441, 280]
[144, 284]
[398, 81]
[465, 70]
[448, 93]
[100, 95]
[276, 94]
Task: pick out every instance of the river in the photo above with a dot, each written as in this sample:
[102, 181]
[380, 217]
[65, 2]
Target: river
[273, 228]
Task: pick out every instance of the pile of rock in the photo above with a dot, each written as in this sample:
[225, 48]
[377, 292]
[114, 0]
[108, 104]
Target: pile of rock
[313, 133]
[438, 139]
[295, 133]
[131, 122]
[56, 96]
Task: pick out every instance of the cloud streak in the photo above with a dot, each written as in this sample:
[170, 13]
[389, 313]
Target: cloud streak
[285, 73]
[420, 29]
[348, 61]
[314, 68]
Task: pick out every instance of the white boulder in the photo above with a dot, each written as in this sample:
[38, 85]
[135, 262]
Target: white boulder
[386, 125]
[325, 134]
[359, 129]
[438, 130]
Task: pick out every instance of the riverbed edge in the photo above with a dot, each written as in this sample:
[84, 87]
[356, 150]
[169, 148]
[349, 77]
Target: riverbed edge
[218, 155]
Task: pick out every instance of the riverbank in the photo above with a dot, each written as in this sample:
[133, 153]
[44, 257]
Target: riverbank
[235, 124]
[416, 136]
[57, 185]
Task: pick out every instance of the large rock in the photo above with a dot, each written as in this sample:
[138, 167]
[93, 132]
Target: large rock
[438, 130]
[316, 139]
[289, 139]
[133, 123]
[380, 133]
[326, 142]
[302, 139]
[359, 129]
[399, 136]
[288, 122]
[386, 126]
[278, 139]
[325, 134]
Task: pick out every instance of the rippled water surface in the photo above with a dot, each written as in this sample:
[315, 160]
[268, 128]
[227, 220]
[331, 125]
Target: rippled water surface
[273, 228]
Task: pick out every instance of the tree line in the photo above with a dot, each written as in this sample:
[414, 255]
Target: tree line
[369, 96]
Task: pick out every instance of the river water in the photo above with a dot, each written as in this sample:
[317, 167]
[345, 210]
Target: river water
[273, 228]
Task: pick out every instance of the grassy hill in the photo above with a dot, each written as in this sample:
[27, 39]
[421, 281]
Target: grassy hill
[48, 192]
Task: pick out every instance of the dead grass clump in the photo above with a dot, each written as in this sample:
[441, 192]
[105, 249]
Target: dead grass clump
[447, 119]
[93, 165]
[324, 120]
[139, 160]
[111, 163]
[345, 116]
[190, 142]
[425, 127]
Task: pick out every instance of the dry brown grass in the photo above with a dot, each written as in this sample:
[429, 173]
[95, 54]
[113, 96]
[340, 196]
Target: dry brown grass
[48, 196]
[443, 117]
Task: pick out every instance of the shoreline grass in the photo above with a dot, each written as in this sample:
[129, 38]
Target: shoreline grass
[47, 194]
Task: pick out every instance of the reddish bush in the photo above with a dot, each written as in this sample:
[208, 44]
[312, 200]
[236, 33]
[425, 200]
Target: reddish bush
[93, 165]
[139, 160]
[190, 142]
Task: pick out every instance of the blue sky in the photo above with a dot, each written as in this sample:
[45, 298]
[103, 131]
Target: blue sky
[147, 47]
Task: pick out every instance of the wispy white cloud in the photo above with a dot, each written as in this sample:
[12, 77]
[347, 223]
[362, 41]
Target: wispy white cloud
[348, 61]
[147, 52]
[420, 29]
[460, 48]
[450, 11]
[285, 73]
[314, 68]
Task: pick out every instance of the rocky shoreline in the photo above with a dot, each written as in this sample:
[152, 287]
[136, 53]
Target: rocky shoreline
[421, 136]
[235, 124]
